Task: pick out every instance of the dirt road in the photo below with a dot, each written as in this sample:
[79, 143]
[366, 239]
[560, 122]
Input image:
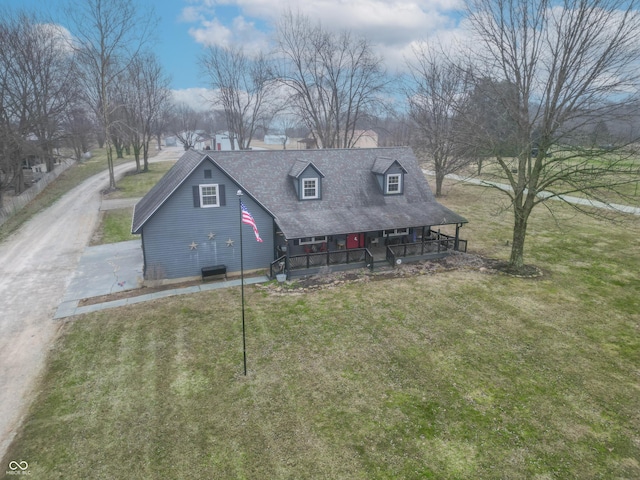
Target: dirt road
[36, 266]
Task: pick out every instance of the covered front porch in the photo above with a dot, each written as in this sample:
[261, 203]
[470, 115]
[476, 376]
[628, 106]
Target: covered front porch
[311, 255]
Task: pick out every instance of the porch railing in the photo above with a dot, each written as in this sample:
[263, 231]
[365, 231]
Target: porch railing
[433, 246]
[334, 257]
[437, 243]
[279, 265]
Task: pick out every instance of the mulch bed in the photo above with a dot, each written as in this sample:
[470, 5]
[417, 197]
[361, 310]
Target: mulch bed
[136, 292]
[328, 279]
[456, 261]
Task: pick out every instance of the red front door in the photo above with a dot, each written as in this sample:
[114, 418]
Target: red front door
[355, 240]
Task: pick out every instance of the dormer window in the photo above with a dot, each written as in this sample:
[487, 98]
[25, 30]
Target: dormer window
[307, 180]
[389, 175]
[309, 188]
[394, 183]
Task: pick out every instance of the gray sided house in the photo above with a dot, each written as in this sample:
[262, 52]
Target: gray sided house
[313, 209]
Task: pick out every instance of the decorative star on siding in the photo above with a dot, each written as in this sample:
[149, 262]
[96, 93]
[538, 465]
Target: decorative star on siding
[193, 246]
[212, 236]
[229, 243]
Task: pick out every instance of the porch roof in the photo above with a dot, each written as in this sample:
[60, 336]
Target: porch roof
[364, 219]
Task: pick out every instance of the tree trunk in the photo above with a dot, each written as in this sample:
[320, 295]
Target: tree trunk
[18, 184]
[439, 180]
[112, 175]
[516, 261]
[145, 156]
[136, 155]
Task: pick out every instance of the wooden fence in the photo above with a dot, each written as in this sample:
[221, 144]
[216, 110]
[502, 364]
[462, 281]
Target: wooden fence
[11, 205]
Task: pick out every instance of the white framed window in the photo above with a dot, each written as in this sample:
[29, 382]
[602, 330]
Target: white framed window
[209, 196]
[395, 232]
[394, 183]
[309, 188]
[312, 240]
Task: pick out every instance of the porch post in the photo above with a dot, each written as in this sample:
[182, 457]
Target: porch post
[456, 244]
[286, 259]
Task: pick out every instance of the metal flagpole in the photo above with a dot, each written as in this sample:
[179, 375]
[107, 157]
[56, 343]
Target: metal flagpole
[244, 343]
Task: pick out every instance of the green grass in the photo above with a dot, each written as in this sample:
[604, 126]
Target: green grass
[115, 226]
[458, 375]
[68, 180]
[627, 192]
[138, 184]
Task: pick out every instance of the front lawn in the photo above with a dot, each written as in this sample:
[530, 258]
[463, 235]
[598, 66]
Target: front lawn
[462, 374]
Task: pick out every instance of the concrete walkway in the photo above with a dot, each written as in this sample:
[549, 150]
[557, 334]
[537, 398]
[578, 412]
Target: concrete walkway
[566, 198]
[117, 267]
[71, 308]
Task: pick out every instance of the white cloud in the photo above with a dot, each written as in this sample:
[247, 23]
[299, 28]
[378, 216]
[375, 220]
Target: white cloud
[239, 31]
[392, 25]
[197, 98]
[191, 15]
[212, 32]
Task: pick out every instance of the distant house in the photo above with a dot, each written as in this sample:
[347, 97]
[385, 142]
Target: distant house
[308, 143]
[365, 139]
[222, 142]
[361, 139]
[203, 141]
[276, 140]
[199, 139]
[313, 209]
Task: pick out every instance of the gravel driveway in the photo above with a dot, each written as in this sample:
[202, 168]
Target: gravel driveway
[36, 266]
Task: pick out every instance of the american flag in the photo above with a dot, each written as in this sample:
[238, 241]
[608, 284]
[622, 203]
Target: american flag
[248, 219]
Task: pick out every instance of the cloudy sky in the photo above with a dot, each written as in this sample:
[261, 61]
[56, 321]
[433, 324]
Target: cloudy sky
[186, 26]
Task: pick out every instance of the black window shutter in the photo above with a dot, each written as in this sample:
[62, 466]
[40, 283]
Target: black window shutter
[223, 200]
[196, 196]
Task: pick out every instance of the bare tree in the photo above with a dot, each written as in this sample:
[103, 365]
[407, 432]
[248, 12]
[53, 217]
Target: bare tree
[16, 103]
[185, 123]
[110, 33]
[487, 130]
[50, 69]
[435, 94]
[148, 92]
[243, 88]
[160, 125]
[286, 125]
[37, 85]
[395, 129]
[78, 128]
[569, 63]
[335, 80]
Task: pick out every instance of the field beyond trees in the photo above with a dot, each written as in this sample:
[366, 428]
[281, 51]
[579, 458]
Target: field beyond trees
[462, 374]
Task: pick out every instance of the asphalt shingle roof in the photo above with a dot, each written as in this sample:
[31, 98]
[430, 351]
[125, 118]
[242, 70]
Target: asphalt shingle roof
[352, 200]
